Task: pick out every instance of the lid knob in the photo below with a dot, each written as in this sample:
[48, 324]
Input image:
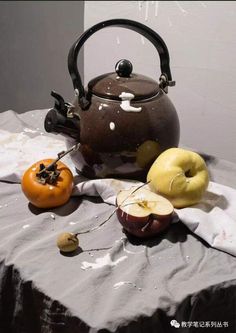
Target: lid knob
[124, 68]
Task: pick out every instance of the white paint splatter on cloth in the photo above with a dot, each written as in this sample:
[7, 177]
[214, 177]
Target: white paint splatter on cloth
[102, 262]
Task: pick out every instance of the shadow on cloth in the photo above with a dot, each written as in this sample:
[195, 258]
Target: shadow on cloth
[175, 233]
[66, 209]
[26, 309]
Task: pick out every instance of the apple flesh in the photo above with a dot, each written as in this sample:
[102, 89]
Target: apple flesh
[179, 175]
[143, 213]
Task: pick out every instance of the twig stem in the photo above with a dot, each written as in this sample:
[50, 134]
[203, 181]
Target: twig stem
[59, 156]
[113, 212]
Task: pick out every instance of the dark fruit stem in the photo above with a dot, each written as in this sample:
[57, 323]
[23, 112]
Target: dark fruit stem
[49, 174]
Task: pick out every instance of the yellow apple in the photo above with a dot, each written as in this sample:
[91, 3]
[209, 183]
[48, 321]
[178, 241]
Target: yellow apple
[180, 175]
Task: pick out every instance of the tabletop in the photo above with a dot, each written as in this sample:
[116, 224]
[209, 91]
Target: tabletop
[112, 283]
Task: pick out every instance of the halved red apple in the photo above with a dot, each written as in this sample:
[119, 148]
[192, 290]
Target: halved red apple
[142, 212]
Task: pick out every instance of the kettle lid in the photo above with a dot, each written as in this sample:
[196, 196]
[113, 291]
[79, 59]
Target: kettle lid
[112, 85]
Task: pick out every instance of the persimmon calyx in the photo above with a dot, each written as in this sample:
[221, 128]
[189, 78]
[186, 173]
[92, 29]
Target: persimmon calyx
[48, 174]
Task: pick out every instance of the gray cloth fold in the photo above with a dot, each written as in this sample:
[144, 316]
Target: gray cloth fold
[213, 219]
[113, 283]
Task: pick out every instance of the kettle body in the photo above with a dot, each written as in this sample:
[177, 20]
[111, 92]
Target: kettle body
[122, 120]
[124, 144]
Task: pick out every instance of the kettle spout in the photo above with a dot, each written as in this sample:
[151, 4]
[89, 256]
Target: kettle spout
[61, 120]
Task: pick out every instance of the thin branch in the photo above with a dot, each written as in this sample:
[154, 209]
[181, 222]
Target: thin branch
[59, 156]
[98, 226]
[108, 218]
[102, 248]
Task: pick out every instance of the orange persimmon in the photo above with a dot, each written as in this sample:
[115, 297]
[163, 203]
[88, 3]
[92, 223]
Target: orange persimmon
[47, 184]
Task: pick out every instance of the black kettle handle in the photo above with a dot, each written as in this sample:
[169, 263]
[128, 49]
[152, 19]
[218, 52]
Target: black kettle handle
[151, 35]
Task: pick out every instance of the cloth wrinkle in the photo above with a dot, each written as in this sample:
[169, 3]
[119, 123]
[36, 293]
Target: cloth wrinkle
[156, 276]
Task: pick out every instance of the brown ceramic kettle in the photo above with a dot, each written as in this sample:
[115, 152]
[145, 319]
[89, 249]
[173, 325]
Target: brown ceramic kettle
[123, 120]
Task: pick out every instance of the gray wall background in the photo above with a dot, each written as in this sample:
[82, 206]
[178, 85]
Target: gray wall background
[35, 39]
[200, 36]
